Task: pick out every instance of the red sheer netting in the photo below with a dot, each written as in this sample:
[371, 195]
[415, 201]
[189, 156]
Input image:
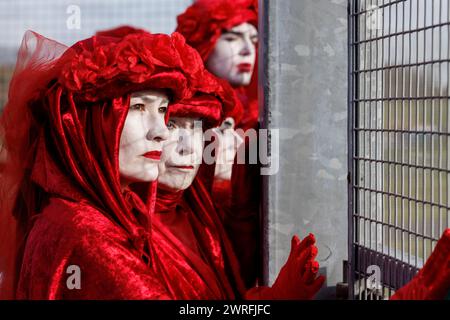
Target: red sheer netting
[35, 68]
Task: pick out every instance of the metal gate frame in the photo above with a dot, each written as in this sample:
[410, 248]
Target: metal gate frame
[394, 272]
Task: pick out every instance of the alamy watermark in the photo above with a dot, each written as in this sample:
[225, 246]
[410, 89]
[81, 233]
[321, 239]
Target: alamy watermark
[73, 21]
[262, 147]
[74, 279]
[373, 281]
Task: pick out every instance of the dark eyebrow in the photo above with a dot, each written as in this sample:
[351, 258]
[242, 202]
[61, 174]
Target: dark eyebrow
[240, 34]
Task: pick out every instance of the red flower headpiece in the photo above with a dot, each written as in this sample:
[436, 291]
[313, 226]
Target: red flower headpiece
[204, 21]
[107, 67]
[212, 97]
[119, 32]
[212, 109]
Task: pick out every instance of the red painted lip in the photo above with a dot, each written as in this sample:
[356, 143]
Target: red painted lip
[155, 155]
[244, 67]
[184, 167]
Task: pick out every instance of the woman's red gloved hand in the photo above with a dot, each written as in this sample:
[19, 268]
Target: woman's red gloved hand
[297, 279]
[433, 280]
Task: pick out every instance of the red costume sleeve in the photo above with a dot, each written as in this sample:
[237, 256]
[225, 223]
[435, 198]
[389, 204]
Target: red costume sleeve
[433, 280]
[68, 234]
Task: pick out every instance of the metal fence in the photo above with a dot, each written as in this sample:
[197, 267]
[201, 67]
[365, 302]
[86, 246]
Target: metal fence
[399, 66]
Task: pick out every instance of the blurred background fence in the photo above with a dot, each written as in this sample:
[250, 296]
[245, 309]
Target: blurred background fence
[68, 21]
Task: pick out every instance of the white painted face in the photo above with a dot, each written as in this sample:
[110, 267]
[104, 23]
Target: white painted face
[182, 154]
[234, 55]
[142, 136]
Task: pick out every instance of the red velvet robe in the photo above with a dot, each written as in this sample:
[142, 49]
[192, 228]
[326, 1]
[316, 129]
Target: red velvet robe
[68, 233]
[191, 218]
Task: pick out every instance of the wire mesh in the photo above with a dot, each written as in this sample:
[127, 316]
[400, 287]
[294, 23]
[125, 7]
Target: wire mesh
[399, 66]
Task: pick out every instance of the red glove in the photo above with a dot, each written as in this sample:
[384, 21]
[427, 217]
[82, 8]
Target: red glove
[297, 279]
[432, 282]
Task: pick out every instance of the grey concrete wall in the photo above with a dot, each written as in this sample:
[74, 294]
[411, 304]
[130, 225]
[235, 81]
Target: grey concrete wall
[307, 80]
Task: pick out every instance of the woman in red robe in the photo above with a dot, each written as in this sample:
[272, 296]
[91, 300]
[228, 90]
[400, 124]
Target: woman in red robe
[225, 35]
[185, 208]
[77, 199]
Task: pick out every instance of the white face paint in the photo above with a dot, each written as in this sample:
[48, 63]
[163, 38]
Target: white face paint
[142, 136]
[234, 55]
[229, 142]
[182, 154]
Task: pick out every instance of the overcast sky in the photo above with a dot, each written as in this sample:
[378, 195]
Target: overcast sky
[49, 18]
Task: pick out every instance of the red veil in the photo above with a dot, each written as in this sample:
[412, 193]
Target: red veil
[60, 130]
[35, 67]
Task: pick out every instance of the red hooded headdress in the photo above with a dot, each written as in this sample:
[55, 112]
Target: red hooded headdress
[205, 20]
